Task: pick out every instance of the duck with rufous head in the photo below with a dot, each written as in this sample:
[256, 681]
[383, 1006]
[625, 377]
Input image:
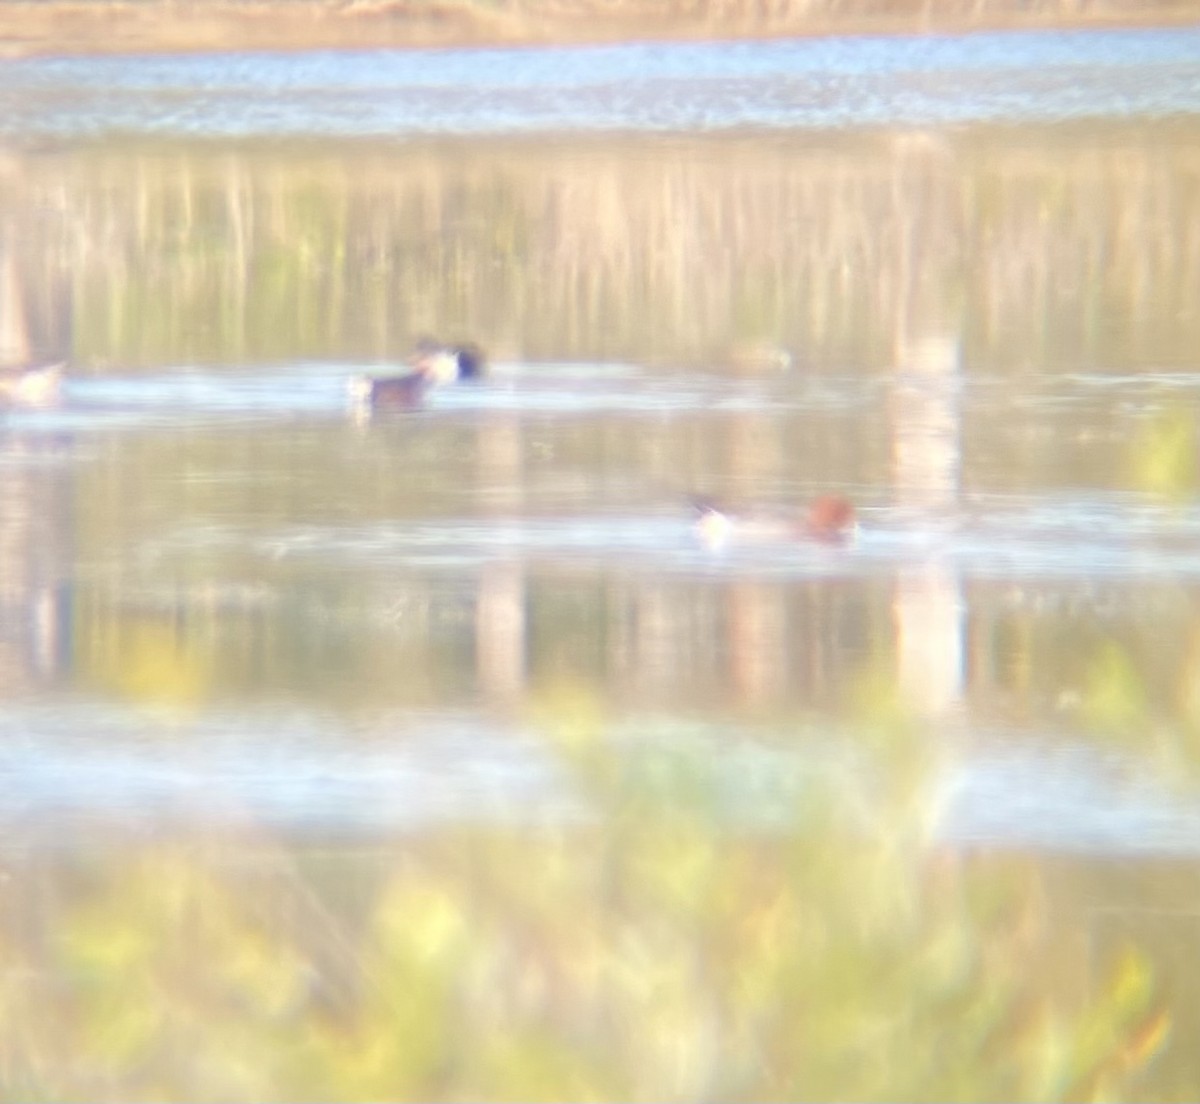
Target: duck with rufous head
[827, 519]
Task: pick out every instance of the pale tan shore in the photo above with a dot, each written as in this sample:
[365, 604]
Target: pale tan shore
[41, 27]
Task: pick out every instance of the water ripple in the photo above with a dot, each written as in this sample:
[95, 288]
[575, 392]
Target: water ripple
[810, 83]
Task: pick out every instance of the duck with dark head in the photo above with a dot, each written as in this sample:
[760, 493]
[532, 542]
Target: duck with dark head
[431, 364]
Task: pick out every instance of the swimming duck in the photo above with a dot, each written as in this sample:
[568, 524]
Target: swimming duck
[431, 364]
[31, 384]
[448, 363]
[828, 519]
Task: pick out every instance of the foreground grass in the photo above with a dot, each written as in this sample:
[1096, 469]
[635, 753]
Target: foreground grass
[659, 945]
[115, 26]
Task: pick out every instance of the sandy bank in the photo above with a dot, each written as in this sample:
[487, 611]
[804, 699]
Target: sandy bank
[136, 26]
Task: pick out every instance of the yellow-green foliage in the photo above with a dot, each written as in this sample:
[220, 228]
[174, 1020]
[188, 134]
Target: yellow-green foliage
[1164, 455]
[659, 942]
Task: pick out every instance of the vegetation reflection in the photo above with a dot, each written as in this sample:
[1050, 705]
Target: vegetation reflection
[1067, 242]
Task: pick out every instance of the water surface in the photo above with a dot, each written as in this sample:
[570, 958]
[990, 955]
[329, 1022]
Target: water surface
[325, 692]
[826, 83]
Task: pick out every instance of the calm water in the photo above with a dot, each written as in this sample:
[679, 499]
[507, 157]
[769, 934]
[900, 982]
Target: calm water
[295, 584]
[956, 279]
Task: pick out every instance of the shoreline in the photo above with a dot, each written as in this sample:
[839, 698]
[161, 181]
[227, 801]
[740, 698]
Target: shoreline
[40, 28]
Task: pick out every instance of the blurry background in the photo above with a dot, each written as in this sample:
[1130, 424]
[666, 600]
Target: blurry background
[432, 756]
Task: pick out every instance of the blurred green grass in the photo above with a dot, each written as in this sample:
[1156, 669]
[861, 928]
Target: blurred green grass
[652, 946]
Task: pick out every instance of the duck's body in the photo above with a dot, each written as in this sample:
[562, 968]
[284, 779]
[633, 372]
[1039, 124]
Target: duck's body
[31, 384]
[432, 364]
[390, 392]
[828, 519]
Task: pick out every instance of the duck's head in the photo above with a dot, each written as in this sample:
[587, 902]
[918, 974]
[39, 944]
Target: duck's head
[440, 363]
[472, 363]
[829, 518]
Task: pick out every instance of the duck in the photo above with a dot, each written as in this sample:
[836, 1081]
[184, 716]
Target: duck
[33, 385]
[431, 364]
[448, 363]
[827, 519]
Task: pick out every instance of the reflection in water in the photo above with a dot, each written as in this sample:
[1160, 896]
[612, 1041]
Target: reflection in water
[927, 426]
[476, 551]
[35, 553]
[500, 631]
[501, 604]
[673, 248]
[36, 528]
[14, 328]
[929, 600]
[757, 641]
